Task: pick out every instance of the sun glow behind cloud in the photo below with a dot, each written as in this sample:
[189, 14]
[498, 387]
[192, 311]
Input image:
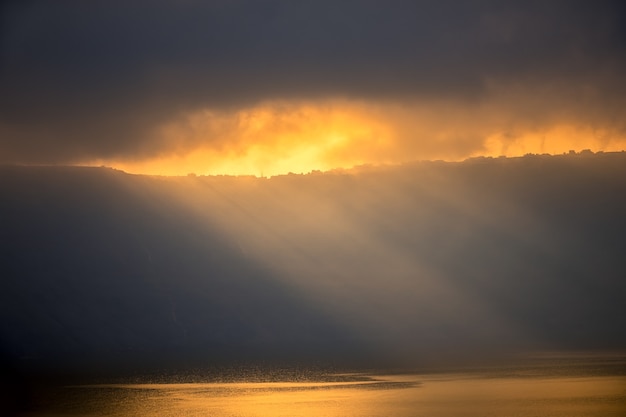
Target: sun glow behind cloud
[555, 139]
[268, 139]
[279, 137]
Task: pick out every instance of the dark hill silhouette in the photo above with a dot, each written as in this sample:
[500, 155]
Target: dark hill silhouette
[411, 264]
[101, 268]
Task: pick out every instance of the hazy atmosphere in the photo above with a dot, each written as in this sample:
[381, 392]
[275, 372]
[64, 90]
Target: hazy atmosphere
[421, 267]
[312, 208]
[428, 262]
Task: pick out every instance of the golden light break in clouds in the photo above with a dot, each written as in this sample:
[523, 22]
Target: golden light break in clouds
[278, 137]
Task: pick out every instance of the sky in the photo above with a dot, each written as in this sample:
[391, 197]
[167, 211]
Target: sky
[270, 87]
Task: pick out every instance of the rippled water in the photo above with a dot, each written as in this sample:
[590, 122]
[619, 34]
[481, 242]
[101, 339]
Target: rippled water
[540, 390]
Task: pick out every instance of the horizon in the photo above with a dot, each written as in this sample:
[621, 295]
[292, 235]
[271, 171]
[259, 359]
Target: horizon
[345, 170]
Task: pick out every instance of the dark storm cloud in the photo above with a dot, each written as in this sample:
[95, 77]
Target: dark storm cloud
[93, 79]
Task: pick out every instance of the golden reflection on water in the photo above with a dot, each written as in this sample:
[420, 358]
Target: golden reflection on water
[443, 395]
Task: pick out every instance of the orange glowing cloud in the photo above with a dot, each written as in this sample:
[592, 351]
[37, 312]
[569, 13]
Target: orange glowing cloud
[269, 139]
[278, 137]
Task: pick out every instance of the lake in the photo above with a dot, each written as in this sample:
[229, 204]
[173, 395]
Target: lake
[548, 387]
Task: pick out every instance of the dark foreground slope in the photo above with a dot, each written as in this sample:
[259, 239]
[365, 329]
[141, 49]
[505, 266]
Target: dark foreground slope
[408, 265]
[103, 271]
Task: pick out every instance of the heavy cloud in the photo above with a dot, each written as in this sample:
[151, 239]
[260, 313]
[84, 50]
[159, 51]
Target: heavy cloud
[99, 80]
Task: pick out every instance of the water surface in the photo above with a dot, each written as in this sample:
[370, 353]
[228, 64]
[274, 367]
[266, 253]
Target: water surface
[549, 388]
